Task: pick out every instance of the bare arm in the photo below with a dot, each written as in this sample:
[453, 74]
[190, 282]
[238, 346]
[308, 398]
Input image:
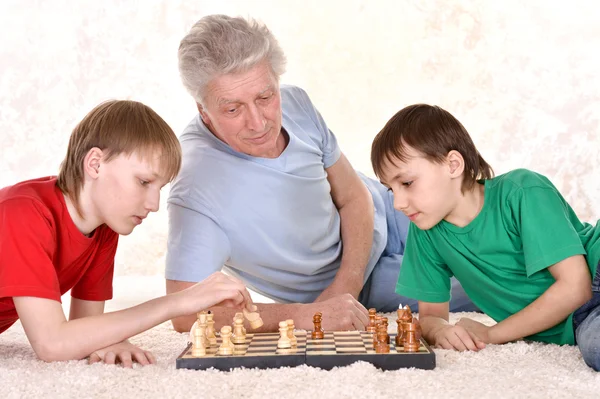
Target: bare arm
[355, 205]
[571, 290]
[54, 338]
[342, 312]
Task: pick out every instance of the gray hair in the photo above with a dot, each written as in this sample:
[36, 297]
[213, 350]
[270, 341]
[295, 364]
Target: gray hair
[218, 45]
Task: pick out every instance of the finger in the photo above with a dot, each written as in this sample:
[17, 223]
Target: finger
[141, 358]
[444, 344]
[357, 322]
[456, 342]
[126, 359]
[466, 338]
[94, 358]
[109, 358]
[479, 344]
[150, 357]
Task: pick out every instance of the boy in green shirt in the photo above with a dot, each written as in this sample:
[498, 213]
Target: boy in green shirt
[512, 241]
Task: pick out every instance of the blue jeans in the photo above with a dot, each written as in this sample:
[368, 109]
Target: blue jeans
[586, 325]
[379, 291]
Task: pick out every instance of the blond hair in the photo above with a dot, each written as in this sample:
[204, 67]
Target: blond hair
[117, 127]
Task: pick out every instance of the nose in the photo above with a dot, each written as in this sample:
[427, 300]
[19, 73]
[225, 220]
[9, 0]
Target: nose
[255, 119]
[153, 200]
[400, 200]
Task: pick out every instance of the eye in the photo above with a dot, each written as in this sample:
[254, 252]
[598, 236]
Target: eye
[231, 110]
[144, 182]
[407, 183]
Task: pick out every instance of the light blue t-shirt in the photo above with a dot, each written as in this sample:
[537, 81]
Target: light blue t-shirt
[270, 222]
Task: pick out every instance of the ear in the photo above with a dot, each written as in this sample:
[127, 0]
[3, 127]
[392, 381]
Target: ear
[92, 161]
[203, 114]
[456, 163]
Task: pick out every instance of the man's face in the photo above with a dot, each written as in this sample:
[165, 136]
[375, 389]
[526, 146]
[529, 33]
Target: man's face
[244, 111]
[127, 189]
[423, 190]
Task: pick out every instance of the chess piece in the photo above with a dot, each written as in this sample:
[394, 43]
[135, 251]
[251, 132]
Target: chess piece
[253, 318]
[202, 326]
[291, 336]
[198, 348]
[378, 321]
[318, 332]
[284, 341]
[371, 328]
[226, 347]
[382, 345]
[384, 322]
[239, 315]
[239, 337]
[400, 334]
[410, 342]
[210, 330]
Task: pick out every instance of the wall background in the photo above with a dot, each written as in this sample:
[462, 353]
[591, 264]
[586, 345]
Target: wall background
[521, 76]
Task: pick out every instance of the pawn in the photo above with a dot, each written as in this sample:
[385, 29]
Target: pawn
[284, 341]
[239, 315]
[226, 347]
[210, 330]
[371, 328]
[291, 336]
[198, 349]
[239, 336]
[318, 332]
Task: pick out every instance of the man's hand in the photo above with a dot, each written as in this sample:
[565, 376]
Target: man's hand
[459, 337]
[341, 312]
[123, 352]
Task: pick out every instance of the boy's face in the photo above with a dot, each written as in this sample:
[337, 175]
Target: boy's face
[127, 189]
[425, 191]
[244, 111]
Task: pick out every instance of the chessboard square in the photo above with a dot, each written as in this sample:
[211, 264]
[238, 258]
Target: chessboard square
[351, 350]
[327, 352]
[323, 346]
[346, 333]
[351, 344]
[266, 337]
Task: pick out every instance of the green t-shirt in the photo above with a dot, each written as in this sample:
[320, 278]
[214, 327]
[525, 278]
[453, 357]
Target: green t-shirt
[501, 257]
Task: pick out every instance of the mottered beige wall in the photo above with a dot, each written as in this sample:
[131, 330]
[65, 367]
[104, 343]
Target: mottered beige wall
[521, 76]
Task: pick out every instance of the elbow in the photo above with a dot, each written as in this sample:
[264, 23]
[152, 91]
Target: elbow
[52, 352]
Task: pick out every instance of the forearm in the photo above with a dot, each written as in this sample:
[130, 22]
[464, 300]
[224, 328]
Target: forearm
[357, 238]
[77, 338]
[551, 308]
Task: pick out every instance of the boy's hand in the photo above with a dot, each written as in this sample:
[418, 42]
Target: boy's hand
[218, 289]
[125, 352]
[457, 337]
[476, 328]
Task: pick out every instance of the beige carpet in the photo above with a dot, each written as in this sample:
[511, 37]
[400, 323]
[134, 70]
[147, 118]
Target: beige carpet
[519, 370]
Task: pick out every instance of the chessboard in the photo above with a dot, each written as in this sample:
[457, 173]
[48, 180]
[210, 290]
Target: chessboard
[336, 349]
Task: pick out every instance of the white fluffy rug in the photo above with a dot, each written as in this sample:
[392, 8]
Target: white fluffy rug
[520, 370]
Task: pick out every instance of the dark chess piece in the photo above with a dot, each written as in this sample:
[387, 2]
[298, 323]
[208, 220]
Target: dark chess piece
[318, 332]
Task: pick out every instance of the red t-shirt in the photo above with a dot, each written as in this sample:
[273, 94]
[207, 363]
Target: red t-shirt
[43, 254]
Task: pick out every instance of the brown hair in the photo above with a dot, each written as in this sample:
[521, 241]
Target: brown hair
[117, 127]
[432, 131]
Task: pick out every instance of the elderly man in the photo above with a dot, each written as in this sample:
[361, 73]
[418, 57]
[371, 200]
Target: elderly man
[266, 194]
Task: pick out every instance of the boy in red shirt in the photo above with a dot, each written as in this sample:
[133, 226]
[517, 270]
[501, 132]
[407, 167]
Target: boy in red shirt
[60, 233]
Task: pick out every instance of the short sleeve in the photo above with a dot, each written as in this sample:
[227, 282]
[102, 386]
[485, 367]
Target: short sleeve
[196, 247]
[97, 282]
[423, 274]
[545, 227]
[27, 247]
[328, 142]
